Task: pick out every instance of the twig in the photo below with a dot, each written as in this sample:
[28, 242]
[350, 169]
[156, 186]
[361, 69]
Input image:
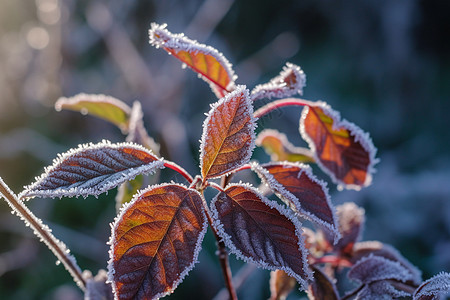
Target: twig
[44, 233]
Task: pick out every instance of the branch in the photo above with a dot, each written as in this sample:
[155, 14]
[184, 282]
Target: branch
[44, 233]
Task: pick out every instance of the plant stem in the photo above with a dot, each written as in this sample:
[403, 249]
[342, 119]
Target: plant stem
[44, 233]
[179, 169]
[221, 253]
[280, 103]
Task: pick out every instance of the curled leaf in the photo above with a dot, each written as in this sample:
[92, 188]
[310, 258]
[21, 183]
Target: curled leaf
[340, 148]
[351, 223]
[322, 287]
[155, 241]
[212, 66]
[260, 231]
[92, 169]
[104, 107]
[228, 135]
[279, 148]
[433, 288]
[296, 185]
[291, 81]
[281, 284]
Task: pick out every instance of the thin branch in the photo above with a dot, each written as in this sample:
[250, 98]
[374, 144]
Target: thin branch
[44, 233]
[180, 170]
[280, 103]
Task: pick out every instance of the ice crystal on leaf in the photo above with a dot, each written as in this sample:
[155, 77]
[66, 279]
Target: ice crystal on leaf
[92, 169]
[228, 134]
[308, 196]
[260, 231]
[213, 67]
[433, 288]
[340, 148]
[102, 106]
[291, 81]
[155, 241]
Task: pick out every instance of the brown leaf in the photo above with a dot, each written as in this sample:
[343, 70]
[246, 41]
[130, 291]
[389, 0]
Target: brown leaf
[155, 241]
[260, 231]
[322, 287]
[281, 284]
[228, 135]
[296, 185]
[213, 67]
[341, 148]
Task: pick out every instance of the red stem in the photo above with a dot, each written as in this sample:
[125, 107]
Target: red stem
[280, 103]
[333, 260]
[180, 170]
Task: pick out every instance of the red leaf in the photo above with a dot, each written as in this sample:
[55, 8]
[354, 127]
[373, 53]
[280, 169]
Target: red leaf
[296, 185]
[260, 231]
[341, 148]
[228, 135]
[93, 169]
[291, 81]
[155, 241]
[213, 67]
[281, 284]
[351, 223]
[322, 287]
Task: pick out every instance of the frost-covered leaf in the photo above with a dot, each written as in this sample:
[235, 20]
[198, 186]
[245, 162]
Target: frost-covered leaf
[363, 249]
[92, 169]
[279, 148]
[137, 132]
[228, 134]
[155, 241]
[291, 81]
[380, 290]
[104, 107]
[340, 148]
[322, 287]
[281, 284]
[209, 63]
[295, 184]
[351, 223]
[433, 288]
[373, 268]
[260, 231]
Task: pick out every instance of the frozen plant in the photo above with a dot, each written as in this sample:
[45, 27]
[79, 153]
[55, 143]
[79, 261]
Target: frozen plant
[158, 232]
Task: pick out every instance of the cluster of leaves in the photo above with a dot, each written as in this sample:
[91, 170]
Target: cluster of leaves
[157, 235]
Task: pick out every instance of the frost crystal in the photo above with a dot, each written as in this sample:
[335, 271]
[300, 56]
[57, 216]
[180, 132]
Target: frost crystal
[252, 241]
[359, 136]
[92, 169]
[291, 81]
[433, 287]
[178, 43]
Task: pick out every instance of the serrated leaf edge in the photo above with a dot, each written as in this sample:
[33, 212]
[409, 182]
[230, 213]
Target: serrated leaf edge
[440, 276]
[282, 192]
[179, 42]
[272, 88]
[131, 173]
[123, 209]
[285, 212]
[251, 124]
[360, 136]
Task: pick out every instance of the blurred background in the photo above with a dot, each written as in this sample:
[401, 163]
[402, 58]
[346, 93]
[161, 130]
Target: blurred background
[385, 65]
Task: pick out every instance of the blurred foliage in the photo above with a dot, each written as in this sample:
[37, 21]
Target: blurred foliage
[385, 65]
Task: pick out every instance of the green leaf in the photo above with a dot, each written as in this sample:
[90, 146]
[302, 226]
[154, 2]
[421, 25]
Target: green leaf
[105, 107]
